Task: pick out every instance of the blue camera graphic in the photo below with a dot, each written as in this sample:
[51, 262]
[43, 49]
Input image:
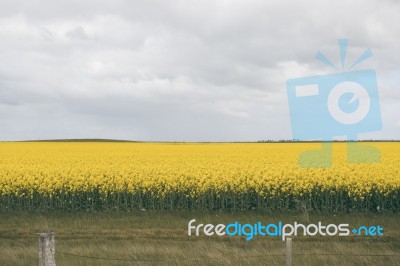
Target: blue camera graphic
[339, 104]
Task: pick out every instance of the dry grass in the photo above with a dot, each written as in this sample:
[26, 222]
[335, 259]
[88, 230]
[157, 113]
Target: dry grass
[160, 238]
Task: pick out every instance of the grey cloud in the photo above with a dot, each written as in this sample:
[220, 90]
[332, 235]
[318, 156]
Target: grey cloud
[179, 70]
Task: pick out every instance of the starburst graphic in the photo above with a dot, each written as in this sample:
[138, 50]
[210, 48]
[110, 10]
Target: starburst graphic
[343, 43]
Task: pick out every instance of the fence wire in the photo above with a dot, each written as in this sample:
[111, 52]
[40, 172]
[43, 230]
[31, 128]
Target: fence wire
[167, 259]
[202, 257]
[233, 257]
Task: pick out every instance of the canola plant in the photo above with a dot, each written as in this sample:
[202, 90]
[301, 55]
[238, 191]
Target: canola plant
[174, 176]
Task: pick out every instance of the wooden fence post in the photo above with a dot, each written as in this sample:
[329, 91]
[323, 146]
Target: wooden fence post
[47, 249]
[288, 251]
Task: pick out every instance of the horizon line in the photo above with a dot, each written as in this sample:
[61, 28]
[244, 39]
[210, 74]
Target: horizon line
[161, 141]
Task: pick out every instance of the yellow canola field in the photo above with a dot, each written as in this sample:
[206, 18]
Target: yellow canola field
[110, 175]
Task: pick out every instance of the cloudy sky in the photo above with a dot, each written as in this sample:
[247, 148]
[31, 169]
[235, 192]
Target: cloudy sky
[181, 70]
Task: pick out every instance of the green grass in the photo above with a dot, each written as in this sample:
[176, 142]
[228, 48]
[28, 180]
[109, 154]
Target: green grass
[160, 238]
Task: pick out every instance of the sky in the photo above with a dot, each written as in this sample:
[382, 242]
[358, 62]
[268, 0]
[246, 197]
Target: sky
[210, 70]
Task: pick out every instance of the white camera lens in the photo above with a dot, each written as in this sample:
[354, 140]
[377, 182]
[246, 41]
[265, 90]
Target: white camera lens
[359, 94]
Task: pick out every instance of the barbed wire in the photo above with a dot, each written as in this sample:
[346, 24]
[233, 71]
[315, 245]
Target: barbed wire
[168, 259]
[346, 254]
[234, 257]
[14, 239]
[204, 257]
